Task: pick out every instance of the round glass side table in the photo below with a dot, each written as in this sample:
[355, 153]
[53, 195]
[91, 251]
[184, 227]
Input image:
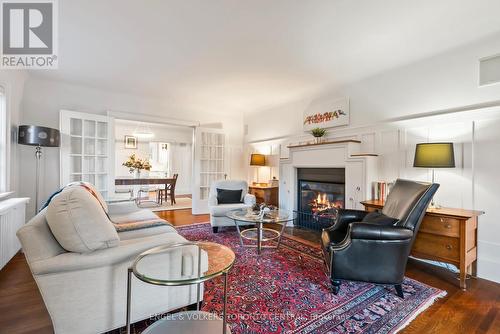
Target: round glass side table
[146, 268]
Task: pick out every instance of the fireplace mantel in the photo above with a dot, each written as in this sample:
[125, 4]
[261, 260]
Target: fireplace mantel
[360, 170]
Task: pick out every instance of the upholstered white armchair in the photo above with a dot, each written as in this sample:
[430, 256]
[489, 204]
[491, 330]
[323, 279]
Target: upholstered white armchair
[218, 211]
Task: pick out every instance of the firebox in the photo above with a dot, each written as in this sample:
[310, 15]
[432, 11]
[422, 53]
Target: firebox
[321, 192]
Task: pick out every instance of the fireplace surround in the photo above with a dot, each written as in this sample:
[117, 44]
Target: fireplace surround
[320, 192]
[356, 170]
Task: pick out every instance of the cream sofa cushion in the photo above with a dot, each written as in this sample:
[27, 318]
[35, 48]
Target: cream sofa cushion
[94, 191]
[79, 223]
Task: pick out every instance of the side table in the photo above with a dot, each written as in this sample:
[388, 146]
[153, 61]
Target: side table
[145, 268]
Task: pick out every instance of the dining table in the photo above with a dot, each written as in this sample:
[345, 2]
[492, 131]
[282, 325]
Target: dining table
[146, 181]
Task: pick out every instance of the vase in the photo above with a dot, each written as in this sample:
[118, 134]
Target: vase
[318, 140]
[138, 174]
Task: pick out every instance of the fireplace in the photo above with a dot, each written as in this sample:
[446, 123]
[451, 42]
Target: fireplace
[320, 193]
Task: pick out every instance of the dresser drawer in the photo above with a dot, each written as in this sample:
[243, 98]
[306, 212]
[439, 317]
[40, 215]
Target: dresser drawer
[441, 226]
[436, 246]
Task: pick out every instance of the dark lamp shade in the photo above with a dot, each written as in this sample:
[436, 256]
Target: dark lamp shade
[38, 136]
[434, 155]
[257, 160]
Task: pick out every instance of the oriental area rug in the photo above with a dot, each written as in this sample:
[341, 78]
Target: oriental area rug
[287, 291]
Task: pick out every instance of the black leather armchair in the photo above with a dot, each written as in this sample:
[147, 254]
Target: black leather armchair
[374, 247]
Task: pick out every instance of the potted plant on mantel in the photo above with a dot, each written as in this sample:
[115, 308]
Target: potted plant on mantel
[318, 134]
[135, 164]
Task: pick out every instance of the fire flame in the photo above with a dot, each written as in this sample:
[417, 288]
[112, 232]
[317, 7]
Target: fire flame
[322, 203]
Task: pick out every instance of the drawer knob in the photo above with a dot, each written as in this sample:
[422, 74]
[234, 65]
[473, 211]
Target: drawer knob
[443, 220]
[447, 225]
[448, 247]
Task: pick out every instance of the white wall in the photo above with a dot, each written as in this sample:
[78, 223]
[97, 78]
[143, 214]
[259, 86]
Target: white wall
[44, 99]
[443, 82]
[13, 83]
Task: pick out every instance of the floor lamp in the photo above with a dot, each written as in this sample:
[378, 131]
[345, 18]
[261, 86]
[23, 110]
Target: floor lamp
[38, 136]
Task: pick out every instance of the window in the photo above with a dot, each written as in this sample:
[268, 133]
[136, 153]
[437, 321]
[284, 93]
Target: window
[4, 131]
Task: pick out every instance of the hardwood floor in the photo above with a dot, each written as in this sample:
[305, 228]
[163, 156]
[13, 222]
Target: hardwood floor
[476, 310]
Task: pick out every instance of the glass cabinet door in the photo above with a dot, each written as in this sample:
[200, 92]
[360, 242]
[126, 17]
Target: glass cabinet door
[86, 143]
[209, 165]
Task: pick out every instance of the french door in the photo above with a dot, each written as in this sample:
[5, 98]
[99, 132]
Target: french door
[87, 150]
[209, 164]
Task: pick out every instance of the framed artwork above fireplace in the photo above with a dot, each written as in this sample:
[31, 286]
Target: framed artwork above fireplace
[327, 114]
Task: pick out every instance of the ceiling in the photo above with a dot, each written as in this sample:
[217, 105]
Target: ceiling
[243, 56]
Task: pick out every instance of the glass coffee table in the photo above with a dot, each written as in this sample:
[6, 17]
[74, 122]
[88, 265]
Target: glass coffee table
[259, 233]
[146, 268]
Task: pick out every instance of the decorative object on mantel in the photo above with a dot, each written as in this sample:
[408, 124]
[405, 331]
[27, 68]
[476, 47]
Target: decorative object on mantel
[135, 164]
[434, 155]
[336, 115]
[130, 142]
[38, 136]
[318, 133]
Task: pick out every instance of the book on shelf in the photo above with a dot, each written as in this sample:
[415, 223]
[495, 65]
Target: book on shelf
[381, 189]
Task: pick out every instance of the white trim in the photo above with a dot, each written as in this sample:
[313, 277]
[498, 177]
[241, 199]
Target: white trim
[151, 118]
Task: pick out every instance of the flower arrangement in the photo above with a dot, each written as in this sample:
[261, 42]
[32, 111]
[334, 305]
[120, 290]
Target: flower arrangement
[133, 163]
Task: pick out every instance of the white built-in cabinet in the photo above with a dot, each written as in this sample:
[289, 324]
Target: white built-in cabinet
[209, 165]
[87, 150]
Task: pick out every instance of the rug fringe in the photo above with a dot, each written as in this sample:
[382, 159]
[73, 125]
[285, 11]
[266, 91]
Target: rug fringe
[424, 307]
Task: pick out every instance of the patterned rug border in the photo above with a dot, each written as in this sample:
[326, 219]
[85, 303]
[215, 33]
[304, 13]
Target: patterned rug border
[402, 324]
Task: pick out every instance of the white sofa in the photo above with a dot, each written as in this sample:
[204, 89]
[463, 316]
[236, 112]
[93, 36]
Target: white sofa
[86, 292]
[218, 211]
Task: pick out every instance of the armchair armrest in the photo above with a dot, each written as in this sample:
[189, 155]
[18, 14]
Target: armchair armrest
[249, 199]
[212, 200]
[346, 217]
[369, 231]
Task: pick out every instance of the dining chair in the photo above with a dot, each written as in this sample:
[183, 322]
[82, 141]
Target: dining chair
[169, 191]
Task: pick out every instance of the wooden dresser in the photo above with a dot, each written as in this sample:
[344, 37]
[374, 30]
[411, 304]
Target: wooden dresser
[445, 235]
[268, 195]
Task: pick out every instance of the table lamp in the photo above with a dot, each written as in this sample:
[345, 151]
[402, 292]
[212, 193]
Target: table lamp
[257, 160]
[38, 136]
[434, 155]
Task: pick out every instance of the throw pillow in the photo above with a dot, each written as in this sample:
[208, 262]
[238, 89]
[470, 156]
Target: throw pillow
[227, 196]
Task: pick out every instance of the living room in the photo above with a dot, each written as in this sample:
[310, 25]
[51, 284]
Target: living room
[319, 167]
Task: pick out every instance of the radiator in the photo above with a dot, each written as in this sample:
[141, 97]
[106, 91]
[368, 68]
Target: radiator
[12, 217]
